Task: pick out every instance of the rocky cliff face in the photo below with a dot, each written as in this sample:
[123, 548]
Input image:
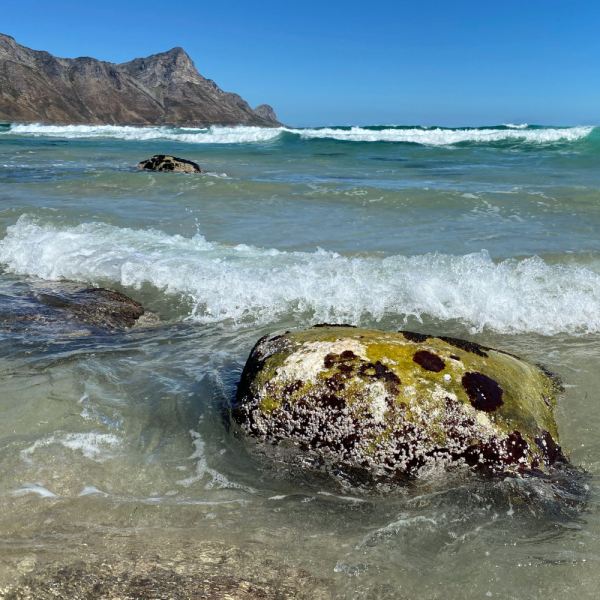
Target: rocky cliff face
[162, 89]
[266, 112]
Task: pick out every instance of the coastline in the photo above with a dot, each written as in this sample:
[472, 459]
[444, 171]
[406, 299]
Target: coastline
[117, 469]
[191, 124]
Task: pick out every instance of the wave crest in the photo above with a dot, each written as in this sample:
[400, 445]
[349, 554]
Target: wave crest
[244, 135]
[246, 284]
[212, 135]
[448, 137]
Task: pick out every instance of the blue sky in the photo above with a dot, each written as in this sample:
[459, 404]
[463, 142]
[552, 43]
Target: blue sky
[428, 62]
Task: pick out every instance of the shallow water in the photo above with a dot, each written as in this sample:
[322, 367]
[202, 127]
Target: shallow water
[114, 441]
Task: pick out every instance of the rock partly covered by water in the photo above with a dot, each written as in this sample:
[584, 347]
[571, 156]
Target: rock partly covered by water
[395, 405]
[161, 162]
[93, 307]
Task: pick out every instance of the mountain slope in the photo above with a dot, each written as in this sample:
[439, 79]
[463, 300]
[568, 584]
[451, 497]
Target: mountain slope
[162, 89]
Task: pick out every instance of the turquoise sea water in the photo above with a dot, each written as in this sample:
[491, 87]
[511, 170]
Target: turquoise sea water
[491, 234]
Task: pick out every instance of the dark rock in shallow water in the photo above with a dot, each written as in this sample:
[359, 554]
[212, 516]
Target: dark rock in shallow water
[92, 307]
[397, 405]
[161, 162]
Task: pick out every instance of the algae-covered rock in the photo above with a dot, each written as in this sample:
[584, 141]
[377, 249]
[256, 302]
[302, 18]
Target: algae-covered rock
[395, 405]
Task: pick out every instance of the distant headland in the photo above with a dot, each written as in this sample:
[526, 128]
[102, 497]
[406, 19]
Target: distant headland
[162, 89]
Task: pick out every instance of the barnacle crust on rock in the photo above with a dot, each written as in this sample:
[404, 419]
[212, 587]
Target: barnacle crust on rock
[398, 405]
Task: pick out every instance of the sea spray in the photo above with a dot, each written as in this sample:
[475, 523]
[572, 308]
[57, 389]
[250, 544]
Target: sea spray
[249, 285]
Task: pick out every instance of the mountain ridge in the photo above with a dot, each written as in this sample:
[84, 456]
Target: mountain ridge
[161, 89]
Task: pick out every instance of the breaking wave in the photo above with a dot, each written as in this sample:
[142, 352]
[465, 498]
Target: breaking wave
[245, 284]
[213, 135]
[447, 137]
[430, 136]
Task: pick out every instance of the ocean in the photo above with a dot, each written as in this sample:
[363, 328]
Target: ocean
[114, 444]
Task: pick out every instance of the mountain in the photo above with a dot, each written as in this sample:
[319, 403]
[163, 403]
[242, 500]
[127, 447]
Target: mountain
[162, 89]
[266, 112]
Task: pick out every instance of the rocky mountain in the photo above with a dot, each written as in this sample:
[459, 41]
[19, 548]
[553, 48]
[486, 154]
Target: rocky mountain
[266, 112]
[162, 89]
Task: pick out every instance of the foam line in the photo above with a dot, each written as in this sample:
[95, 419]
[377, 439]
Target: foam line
[245, 135]
[251, 285]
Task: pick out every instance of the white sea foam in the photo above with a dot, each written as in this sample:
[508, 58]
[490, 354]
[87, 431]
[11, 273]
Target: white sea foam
[32, 488]
[90, 490]
[217, 479]
[447, 137]
[243, 135]
[95, 446]
[252, 285]
[212, 135]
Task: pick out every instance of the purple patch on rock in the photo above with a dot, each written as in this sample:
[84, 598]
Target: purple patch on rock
[484, 393]
[429, 361]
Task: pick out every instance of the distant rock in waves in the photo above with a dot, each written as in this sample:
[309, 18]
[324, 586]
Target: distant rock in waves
[160, 162]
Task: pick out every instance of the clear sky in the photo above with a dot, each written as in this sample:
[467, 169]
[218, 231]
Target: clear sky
[428, 62]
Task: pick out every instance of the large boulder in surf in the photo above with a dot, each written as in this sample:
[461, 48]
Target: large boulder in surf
[171, 164]
[392, 406]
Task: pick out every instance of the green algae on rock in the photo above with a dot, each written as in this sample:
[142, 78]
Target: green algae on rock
[398, 405]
